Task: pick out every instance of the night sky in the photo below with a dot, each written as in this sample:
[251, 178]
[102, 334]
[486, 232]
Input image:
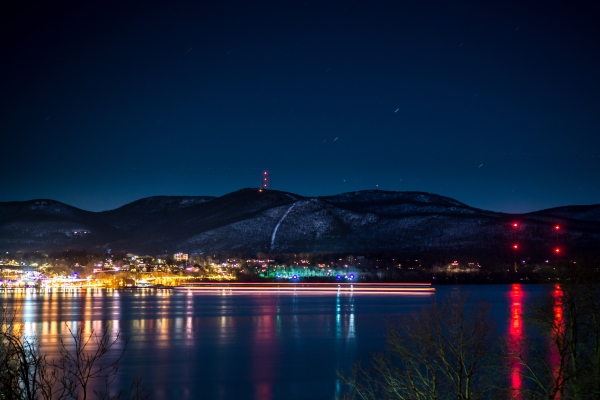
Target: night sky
[493, 103]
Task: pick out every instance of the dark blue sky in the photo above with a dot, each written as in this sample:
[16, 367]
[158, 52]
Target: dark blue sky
[493, 103]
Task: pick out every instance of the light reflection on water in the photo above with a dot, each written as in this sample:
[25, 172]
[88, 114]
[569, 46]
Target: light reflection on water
[225, 345]
[515, 337]
[557, 334]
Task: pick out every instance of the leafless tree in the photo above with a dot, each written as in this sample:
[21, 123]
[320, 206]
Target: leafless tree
[26, 373]
[445, 351]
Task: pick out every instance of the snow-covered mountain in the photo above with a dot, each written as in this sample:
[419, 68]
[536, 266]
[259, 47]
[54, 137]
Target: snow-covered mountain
[251, 220]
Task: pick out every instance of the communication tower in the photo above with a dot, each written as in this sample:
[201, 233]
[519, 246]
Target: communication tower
[265, 180]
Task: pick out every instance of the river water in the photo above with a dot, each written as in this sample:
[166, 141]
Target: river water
[233, 345]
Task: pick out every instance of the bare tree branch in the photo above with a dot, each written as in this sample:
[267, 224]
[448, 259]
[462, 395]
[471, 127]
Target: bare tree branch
[26, 374]
[445, 351]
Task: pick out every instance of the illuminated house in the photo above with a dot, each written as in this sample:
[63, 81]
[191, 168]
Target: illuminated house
[180, 257]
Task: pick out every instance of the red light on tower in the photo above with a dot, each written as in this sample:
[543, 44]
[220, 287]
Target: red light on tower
[557, 227]
[266, 180]
[515, 246]
[515, 225]
[557, 250]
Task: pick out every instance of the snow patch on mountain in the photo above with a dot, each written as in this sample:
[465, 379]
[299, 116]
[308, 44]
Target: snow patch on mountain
[277, 226]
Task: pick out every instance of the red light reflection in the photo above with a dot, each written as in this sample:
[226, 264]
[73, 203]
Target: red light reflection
[515, 335]
[265, 348]
[558, 334]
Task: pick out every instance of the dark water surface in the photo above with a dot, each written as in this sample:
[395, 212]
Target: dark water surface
[231, 345]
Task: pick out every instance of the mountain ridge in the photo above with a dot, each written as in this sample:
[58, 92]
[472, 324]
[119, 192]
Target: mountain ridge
[254, 220]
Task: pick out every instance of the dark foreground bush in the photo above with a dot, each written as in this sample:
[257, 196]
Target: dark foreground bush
[85, 359]
[447, 351]
[450, 351]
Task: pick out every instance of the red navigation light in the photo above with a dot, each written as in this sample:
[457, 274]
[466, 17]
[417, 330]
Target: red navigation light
[515, 225]
[515, 246]
[557, 227]
[557, 250]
